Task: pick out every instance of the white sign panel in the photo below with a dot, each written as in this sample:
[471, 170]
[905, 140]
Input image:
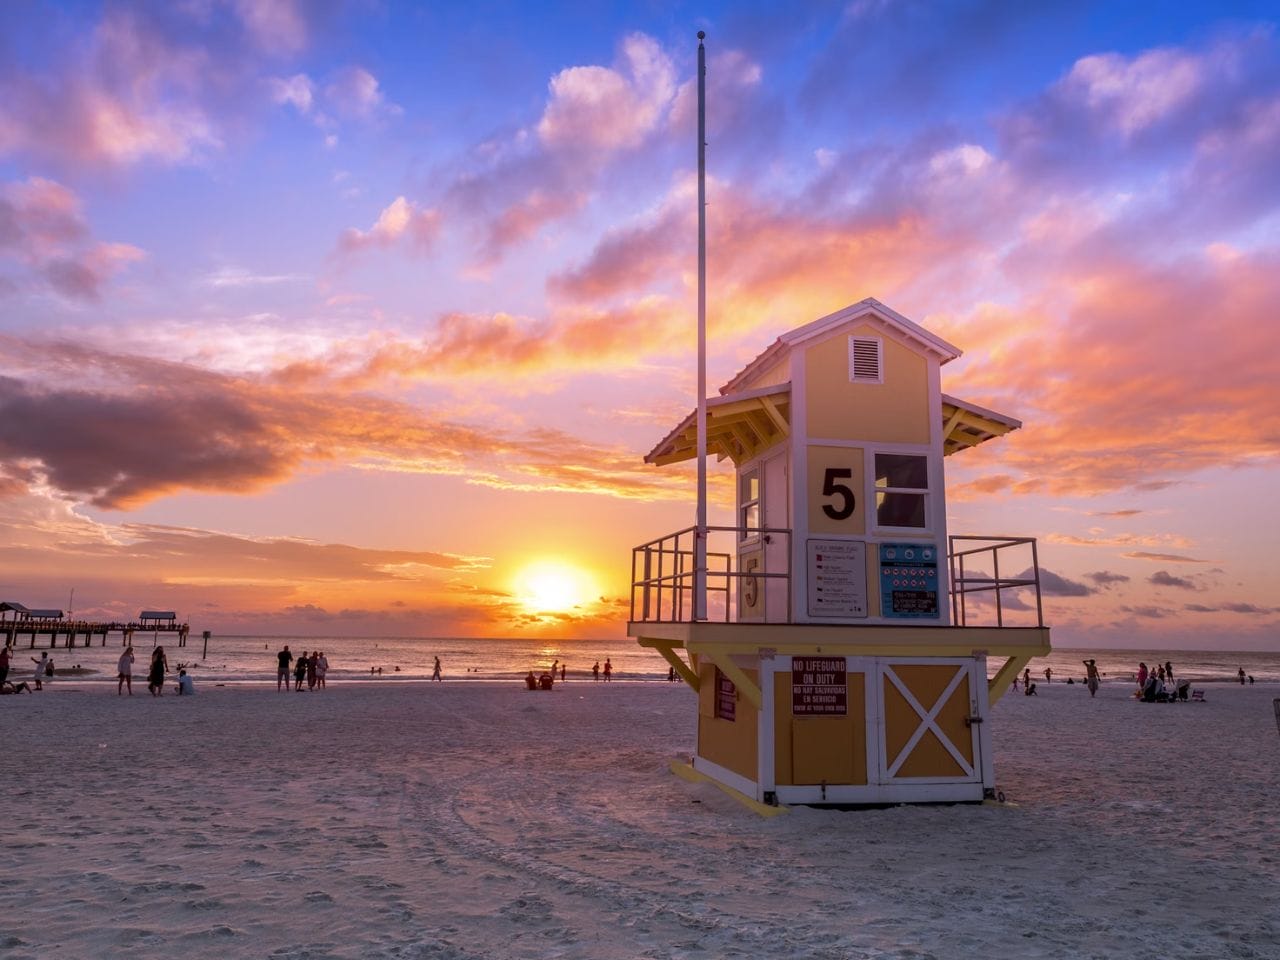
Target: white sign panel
[837, 578]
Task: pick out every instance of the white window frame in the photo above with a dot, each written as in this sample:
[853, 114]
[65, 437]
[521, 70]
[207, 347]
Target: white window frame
[925, 493]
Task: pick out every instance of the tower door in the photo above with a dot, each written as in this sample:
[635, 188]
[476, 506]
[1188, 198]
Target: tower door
[777, 546]
[933, 721]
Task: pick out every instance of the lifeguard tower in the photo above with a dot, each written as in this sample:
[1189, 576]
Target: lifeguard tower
[844, 654]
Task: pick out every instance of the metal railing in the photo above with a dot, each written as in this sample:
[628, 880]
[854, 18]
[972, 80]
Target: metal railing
[662, 578]
[989, 549]
[662, 575]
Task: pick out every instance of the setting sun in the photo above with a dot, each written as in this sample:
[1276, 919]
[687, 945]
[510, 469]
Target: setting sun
[551, 586]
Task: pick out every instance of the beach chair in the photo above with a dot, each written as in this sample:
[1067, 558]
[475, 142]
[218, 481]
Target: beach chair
[1197, 696]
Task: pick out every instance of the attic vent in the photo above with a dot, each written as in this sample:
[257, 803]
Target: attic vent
[865, 355]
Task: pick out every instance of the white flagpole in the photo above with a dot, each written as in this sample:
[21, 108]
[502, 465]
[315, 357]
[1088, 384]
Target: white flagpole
[700, 530]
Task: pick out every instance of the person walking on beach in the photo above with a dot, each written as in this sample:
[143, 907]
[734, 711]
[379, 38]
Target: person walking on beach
[300, 671]
[595, 671]
[124, 671]
[155, 675]
[435, 671]
[608, 669]
[44, 668]
[1048, 674]
[1091, 677]
[283, 659]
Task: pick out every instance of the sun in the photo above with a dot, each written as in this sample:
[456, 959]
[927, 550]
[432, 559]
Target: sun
[553, 586]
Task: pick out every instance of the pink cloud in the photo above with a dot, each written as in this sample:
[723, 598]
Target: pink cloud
[1131, 94]
[602, 108]
[400, 220]
[356, 92]
[277, 26]
[42, 228]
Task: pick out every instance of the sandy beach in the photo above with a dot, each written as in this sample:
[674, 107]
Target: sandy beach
[480, 820]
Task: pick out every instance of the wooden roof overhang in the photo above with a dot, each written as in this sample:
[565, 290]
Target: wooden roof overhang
[743, 425]
[966, 425]
[740, 427]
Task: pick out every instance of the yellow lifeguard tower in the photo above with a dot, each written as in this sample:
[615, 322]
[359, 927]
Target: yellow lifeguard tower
[844, 654]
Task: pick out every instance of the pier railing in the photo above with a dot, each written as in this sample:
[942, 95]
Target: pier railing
[72, 630]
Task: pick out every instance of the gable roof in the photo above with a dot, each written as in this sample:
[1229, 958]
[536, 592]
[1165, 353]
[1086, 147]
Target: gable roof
[870, 308]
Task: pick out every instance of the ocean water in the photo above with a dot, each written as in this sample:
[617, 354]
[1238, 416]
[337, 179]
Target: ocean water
[240, 659]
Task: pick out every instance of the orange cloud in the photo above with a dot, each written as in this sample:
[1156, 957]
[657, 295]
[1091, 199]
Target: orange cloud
[133, 429]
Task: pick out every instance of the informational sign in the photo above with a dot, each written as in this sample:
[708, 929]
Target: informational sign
[837, 578]
[819, 687]
[726, 697]
[909, 580]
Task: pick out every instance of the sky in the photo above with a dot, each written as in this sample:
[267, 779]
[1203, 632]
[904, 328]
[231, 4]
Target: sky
[359, 317]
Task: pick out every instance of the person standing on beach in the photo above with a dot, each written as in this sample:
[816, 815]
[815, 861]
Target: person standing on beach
[1091, 677]
[311, 670]
[283, 659]
[1239, 673]
[155, 676]
[563, 669]
[44, 667]
[608, 669]
[4, 663]
[595, 671]
[1142, 674]
[1168, 671]
[124, 671]
[1026, 678]
[300, 671]
[322, 667]
[435, 671]
[1048, 674]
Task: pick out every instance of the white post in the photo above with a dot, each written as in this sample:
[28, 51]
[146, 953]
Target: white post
[700, 530]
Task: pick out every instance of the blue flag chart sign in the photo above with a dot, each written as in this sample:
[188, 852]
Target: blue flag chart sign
[908, 580]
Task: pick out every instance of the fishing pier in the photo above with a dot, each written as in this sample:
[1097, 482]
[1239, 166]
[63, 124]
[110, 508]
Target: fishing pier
[17, 621]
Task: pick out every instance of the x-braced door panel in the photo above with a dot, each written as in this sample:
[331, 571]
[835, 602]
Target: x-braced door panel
[931, 721]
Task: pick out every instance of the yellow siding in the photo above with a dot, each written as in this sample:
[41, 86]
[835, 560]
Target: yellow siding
[809, 750]
[732, 744]
[820, 459]
[895, 411]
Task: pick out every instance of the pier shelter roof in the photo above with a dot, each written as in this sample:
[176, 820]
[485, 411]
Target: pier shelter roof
[15, 606]
[46, 614]
[157, 615]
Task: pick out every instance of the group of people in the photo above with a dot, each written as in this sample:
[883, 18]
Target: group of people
[1156, 684]
[22, 686]
[1092, 679]
[558, 671]
[156, 670]
[309, 668]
